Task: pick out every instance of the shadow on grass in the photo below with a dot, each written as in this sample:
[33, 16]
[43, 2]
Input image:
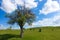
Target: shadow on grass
[8, 36]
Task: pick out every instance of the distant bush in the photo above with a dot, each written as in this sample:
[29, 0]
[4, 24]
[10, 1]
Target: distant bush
[39, 30]
[9, 28]
[30, 29]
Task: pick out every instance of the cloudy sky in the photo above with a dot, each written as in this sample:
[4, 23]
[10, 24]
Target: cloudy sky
[47, 11]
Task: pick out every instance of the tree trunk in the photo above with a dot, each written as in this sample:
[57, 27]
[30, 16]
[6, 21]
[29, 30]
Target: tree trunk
[21, 28]
[21, 32]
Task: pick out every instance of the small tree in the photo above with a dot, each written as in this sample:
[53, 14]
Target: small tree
[39, 30]
[21, 17]
[30, 29]
[9, 28]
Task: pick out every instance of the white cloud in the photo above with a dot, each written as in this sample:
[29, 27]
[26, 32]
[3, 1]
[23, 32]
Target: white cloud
[31, 3]
[50, 6]
[2, 27]
[11, 5]
[53, 21]
[19, 2]
[28, 3]
[8, 6]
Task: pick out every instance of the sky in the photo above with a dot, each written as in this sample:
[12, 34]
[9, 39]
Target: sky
[47, 12]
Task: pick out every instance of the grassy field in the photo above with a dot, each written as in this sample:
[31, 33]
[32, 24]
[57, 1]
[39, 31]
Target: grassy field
[47, 33]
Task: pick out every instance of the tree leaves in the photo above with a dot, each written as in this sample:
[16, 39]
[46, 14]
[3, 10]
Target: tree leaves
[21, 16]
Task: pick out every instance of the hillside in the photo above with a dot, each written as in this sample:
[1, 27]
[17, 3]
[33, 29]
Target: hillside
[46, 33]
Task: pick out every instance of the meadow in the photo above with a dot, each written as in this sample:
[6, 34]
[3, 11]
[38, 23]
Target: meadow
[46, 33]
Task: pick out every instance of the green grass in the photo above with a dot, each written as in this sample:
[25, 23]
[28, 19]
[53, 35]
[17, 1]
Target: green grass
[47, 33]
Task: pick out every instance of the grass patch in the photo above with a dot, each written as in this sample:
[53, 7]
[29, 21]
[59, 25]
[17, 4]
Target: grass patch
[47, 33]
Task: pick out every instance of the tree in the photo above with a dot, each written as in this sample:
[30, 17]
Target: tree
[21, 17]
[9, 28]
[40, 30]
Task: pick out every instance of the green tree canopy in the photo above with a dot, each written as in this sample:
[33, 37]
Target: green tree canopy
[21, 17]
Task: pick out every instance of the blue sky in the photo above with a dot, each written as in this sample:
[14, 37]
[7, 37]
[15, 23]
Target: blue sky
[47, 12]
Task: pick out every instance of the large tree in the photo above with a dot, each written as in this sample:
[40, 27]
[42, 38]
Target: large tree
[21, 16]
